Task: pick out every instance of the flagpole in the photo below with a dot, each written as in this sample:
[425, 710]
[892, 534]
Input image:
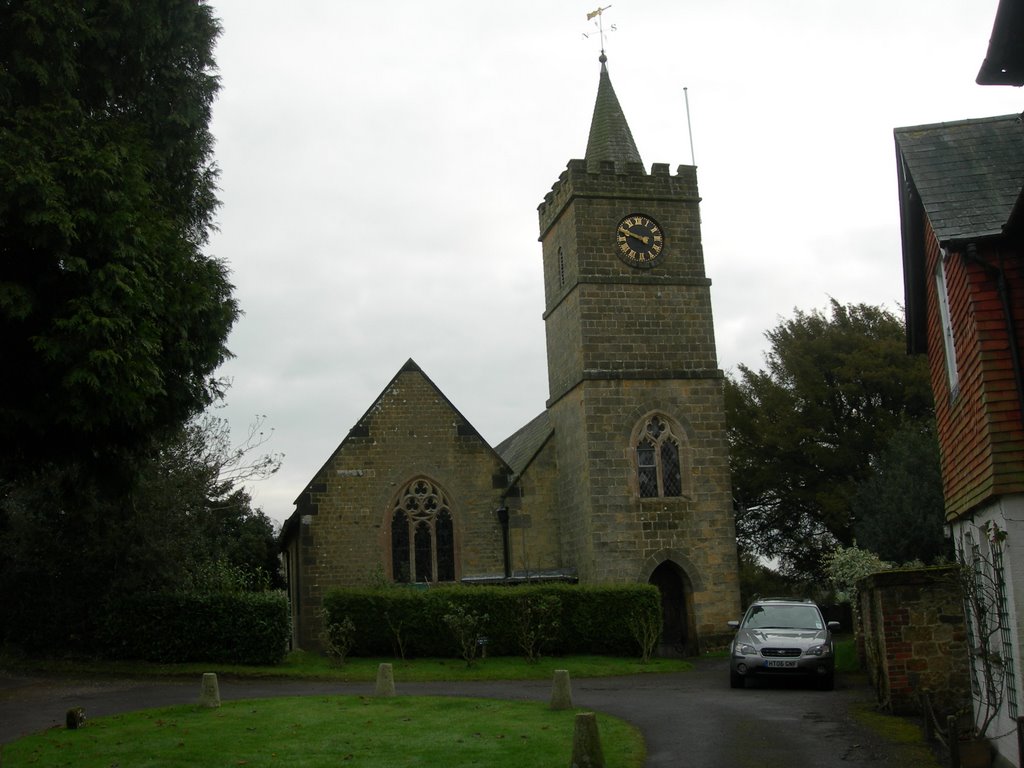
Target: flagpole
[686, 96]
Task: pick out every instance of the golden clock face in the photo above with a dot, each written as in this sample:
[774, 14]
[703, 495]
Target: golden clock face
[639, 240]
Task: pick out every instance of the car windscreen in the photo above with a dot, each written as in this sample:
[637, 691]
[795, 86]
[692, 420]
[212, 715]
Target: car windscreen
[783, 617]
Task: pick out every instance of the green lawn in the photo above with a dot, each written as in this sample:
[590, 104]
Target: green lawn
[316, 732]
[310, 732]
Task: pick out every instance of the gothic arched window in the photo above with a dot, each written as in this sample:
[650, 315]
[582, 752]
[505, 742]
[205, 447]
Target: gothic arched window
[422, 535]
[658, 461]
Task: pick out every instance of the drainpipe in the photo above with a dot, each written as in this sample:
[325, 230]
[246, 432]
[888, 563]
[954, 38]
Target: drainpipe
[502, 513]
[1011, 331]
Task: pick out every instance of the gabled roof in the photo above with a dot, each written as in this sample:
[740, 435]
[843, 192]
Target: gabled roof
[965, 179]
[968, 174]
[519, 448]
[1004, 61]
[362, 426]
[610, 137]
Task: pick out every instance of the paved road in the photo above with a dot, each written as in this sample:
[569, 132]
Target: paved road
[689, 720]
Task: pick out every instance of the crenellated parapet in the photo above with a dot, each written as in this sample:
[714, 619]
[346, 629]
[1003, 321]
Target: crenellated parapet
[620, 181]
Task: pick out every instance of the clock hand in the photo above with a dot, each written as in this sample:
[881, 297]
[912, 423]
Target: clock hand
[634, 235]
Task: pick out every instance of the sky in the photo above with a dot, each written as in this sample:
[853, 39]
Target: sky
[382, 163]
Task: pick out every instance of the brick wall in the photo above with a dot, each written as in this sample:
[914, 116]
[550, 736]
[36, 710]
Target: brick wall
[912, 636]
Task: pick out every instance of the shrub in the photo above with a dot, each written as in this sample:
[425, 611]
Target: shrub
[574, 619]
[537, 623]
[847, 565]
[236, 628]
[645, 626]
[338, 638]
[467, 626]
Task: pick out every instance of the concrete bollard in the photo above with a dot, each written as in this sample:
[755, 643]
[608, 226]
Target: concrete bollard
[586, 742]
[209, 695]
[385, 680]
[561, 690]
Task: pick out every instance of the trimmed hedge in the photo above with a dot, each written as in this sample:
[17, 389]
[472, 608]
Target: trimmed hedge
[229, 628]
[403, 621]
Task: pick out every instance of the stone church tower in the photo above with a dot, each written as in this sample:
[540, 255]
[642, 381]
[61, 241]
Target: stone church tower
[636, 396]
[624, 476]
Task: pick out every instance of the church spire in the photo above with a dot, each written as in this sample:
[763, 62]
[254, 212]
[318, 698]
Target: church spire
[610, 137]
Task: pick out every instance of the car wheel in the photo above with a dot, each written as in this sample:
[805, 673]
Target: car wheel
[736, 680]
[827, 682]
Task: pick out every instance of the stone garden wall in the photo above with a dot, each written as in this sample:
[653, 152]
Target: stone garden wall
[912, 638]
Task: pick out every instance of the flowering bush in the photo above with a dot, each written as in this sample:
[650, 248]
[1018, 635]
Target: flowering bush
[846, 565]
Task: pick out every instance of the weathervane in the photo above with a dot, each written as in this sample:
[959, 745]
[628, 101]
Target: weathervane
[599, 25]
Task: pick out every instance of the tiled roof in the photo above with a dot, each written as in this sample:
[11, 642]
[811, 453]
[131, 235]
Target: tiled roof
[519, 449]
[968, 174]
[610, 137]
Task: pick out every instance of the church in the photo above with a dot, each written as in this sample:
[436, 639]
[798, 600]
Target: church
[622, 478]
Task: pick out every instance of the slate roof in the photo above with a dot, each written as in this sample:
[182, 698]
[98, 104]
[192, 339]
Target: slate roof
[968, 174]
[610, 137]
[519, 449]
[966, 178]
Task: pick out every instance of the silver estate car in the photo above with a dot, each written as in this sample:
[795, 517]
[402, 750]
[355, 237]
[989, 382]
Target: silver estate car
[779, 637]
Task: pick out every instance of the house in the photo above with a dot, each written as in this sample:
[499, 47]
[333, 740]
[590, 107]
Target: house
[961, 187]
[622, 477]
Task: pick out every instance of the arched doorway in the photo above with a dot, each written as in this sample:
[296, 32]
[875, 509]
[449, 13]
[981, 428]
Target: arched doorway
[675, 589]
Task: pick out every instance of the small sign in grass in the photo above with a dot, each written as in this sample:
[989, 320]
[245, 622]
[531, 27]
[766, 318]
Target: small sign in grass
[315, 732]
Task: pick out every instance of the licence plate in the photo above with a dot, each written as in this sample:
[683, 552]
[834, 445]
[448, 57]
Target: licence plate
[784, 663]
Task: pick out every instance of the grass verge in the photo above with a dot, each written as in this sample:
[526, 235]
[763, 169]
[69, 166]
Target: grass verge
[846, 655]
[906, 737]
[311, 666]
[315, 732]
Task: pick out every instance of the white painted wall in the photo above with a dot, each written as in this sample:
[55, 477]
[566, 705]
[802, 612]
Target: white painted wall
[1008, 514]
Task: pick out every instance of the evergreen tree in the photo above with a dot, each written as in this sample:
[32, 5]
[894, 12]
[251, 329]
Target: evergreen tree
[807, 430]
[112, 320]
[898, 509]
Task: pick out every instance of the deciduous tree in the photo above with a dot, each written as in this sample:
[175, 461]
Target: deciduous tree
[188, 524]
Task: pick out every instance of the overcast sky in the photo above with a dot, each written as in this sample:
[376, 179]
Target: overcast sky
[382, 163]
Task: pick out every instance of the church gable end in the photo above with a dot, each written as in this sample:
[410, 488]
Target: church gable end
[409, 495]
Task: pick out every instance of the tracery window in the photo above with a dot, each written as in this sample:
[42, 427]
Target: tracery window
[422, 535]
[658, 465]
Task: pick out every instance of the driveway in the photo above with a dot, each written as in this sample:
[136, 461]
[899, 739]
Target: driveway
[690, 720]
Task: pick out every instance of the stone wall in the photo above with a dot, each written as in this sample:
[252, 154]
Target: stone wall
[624, 345]
[912, 637]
